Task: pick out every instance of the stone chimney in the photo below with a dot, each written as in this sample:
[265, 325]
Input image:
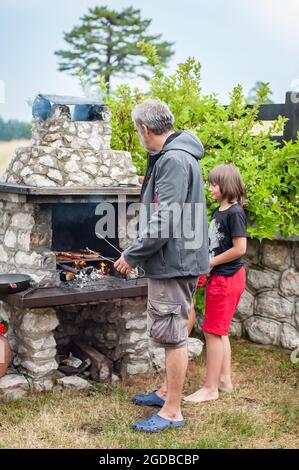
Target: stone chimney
[70, 153]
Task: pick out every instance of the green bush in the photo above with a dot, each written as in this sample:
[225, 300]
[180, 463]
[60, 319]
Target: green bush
[269, 171]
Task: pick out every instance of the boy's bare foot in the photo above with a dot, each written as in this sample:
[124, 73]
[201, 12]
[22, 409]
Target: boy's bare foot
[225, 387]
[202, 395]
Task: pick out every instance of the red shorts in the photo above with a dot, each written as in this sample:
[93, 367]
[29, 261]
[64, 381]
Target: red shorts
[222, 298]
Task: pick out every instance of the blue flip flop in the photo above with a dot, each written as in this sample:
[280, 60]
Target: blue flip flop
[151, 399]
[155, 423]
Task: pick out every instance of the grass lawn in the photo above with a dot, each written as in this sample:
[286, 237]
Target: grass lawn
[262, 412]
[7, 149]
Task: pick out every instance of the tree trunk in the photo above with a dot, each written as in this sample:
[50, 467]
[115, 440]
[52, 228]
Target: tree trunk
[107, 81]
[108, 62]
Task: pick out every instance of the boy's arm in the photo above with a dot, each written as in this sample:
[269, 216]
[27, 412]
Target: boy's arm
[238, 249]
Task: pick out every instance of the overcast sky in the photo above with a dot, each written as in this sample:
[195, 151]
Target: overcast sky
[236, 41]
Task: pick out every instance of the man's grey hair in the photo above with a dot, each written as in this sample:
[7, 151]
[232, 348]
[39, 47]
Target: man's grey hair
[155, 115]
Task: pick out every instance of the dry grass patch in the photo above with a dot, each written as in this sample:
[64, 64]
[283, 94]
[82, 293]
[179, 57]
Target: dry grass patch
[7, 149]
[262, 412]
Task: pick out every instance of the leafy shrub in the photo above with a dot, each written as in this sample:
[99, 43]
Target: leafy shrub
[269, 171]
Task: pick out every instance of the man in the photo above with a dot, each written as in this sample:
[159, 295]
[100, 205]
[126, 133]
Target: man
[172, 248]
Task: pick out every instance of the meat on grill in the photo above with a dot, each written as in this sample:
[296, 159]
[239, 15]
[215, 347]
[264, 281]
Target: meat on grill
[69, 255]
[83, 254]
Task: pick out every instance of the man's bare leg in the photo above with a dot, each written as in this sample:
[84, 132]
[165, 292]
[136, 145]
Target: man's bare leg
[225, 382]
[162, 391]
[176, 368]
[209, 391]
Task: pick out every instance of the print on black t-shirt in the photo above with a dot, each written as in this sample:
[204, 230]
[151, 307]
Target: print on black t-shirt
[224, 226]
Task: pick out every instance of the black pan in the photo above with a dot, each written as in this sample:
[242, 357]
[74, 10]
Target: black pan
[12, 283]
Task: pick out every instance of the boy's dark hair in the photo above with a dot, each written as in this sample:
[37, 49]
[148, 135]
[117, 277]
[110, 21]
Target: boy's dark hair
[230, 183]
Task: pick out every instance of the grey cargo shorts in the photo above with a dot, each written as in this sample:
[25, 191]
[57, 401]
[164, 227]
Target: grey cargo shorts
[168, 309]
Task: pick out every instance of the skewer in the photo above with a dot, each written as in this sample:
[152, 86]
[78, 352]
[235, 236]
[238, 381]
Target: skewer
[105, 239]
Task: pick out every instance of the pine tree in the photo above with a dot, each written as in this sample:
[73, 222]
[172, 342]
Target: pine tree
[106, 44]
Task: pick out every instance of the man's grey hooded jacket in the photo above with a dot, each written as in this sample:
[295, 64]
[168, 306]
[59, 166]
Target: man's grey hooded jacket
[173, 229]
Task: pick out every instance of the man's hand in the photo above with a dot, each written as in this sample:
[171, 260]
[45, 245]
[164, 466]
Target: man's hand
[122, 266]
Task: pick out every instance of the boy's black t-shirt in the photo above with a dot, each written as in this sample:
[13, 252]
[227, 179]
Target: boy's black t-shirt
[225, 225]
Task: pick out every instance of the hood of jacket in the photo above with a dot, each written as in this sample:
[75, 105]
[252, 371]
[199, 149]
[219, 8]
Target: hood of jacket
[186, 142]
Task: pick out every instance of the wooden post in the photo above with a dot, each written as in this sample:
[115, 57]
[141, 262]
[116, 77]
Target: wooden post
[292, 113]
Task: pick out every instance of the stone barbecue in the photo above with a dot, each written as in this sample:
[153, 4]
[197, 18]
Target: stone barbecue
[51, 200]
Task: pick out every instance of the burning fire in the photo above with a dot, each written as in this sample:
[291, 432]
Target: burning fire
[104, 268]
[79, 264]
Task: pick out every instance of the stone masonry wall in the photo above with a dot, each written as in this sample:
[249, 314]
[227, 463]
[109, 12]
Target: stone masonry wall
[268, 312]
[25, 240]
[33, 345]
